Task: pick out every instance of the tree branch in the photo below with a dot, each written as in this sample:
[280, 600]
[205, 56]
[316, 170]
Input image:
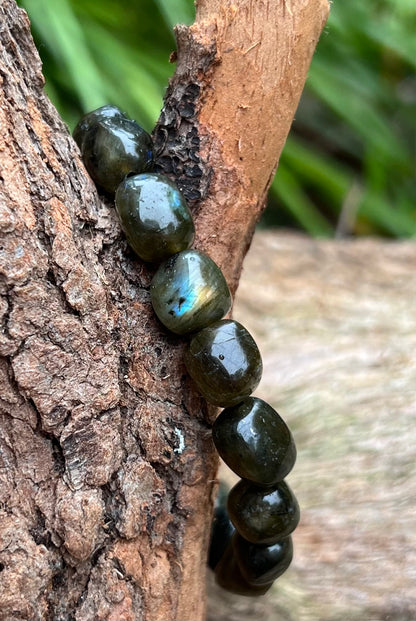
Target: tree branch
[108, 467]
[240, 72]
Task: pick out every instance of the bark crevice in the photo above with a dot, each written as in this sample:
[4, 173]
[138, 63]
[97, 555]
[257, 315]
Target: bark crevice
[102, 433]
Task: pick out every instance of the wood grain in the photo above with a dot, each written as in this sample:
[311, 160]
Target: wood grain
[240, 72]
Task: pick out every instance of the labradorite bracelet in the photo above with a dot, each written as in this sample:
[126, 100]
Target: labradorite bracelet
[251, 544]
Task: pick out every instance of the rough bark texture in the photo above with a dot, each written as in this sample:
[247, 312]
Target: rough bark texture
[106, 466]
[240, 71]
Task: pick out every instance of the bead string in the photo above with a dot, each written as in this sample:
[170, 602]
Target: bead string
[251, 544]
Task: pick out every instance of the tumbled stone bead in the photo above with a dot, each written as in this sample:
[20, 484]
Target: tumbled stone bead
[260, 564]
[154, 216]
[263, 514]
[222, 529]
[254, 441]
[228, 576]
[224, 362]
[90, 119]
[112, 147]
[189, 292]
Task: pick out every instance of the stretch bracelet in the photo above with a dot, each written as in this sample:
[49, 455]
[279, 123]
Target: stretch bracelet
[251, 544]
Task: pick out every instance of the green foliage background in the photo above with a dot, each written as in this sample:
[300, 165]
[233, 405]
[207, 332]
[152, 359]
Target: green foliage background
[348, 165]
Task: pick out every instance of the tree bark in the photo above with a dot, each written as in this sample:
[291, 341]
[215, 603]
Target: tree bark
[107, 469]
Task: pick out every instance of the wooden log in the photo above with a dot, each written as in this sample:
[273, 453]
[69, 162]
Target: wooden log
[106, 478]
[336, 324]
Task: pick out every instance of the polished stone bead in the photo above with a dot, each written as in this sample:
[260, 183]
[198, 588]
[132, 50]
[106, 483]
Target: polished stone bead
[224, 362]
[222, 529]
[260, 564]
[254, 441]
[91, 119]
[113, 146]
[263, 514]
[189, 292]
[228, 576]
[154, 216]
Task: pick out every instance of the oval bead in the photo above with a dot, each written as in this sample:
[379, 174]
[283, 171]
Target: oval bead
[228, 576]
[222, 529]
[154, 216]
[90, 119]
[224, 362]
[254, 441]
[263, 515]
[112, 147]
[189, 292]
[260, 564]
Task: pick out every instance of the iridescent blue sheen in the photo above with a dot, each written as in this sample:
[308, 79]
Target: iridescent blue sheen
[189, 292]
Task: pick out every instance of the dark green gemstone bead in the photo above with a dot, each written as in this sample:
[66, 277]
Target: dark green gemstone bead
[113, 146]
[154, 216]
[91, 119]
[229, 577]
[224, 362]
[254, 441]
[189, 292]
[261, 564]
[263, 515]
[222, 529]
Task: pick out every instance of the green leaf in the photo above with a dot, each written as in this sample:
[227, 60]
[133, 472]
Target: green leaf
[354, 125]
[141, 96]
[399, 222]
[286, 188]
[177, 11]
[57, 23]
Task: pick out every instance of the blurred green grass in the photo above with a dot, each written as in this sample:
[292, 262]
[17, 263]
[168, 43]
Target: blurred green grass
[348, 165]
